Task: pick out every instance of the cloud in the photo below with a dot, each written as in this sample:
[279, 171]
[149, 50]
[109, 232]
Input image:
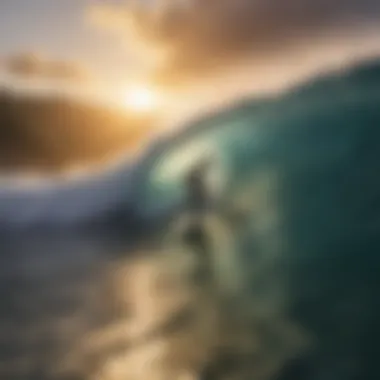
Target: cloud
[192, 36]
[37, 66]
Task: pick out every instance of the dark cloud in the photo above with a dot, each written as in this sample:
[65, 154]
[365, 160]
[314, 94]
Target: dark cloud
[32, 65]
[206, 34]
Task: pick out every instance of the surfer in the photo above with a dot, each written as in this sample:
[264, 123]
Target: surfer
[197, 206]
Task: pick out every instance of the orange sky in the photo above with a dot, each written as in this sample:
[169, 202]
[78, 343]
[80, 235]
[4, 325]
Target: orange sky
[99, 49]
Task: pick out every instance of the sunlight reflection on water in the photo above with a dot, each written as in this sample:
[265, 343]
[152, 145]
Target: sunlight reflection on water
[77, 309]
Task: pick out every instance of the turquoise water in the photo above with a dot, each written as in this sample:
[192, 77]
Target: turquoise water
[307, 167]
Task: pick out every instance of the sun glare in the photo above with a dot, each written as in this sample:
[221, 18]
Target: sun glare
[140, 99]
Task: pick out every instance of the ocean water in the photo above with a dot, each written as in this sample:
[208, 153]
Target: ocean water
[94, 306]
[291, 290]
[54, 291]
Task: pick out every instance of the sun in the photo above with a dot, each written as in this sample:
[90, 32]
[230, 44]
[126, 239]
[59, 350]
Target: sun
[141, 99]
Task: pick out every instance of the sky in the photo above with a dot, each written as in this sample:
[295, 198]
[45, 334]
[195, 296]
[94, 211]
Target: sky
[57, 31]
[101, 47]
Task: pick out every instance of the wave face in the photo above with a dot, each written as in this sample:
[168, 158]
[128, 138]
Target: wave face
[306, 166]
